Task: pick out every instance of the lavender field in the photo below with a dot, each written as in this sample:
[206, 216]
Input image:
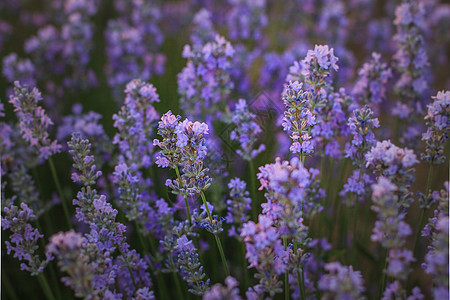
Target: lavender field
[236, 149]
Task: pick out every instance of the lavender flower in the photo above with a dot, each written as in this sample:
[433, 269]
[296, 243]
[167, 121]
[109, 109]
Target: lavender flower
[204, 84]
[412, 63]
[15, 69]
[105, 232]
[203, 29]
[184, 143]
[287, 184]
[341, 282]
[361, 125]
[371, 85]
[201, 219]
[438, 123]
[386, 159]
[391, 230]
[220, 292]
[190, 268]
[68, 248]
[298, 119]
[436, 260]
[132, 41]
[34, 122]
[266, 254]
[246, 19]
[246, 132]
[238, 206]
[24, 238]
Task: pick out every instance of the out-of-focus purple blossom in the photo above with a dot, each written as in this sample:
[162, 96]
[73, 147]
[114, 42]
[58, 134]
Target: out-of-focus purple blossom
[391, 231]
[72, 259]
[390, 228]
[370, 88]
[203, 29]
[246, 19]
[266, 254]
[220, 292]
[238, 206]
[24, 238]
[436, 260]
[386, 159]
[132, 41]
[16, 69]
[438, 128]
[357, 185]
[204, 84]
[411, 60]
[246, 131]
[134, 123]
[34, 122]
[341, 282]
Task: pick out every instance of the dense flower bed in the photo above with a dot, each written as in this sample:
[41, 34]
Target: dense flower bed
[240, 149]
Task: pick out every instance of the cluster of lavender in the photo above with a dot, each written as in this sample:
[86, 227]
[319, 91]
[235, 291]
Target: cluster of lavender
[438, 127]
[106, 235]
[386, 159]
[391, 231]
[132, 43]
[370, 88]
[266, 254]
[34, 122]
[204, 84]
[183, 143]
[127, 237]
[412, 63]
[361, 125]
[246, 132]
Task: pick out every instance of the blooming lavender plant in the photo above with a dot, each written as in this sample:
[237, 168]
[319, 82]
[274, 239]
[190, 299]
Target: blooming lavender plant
[438, 123]
[246, 131]
[24, 238]
[341, 282]
[238, 206]
[34, 122]
[388, 160]
[219, 292]
[371, 85]
[204, 84]
[266, 254]
[246, 19]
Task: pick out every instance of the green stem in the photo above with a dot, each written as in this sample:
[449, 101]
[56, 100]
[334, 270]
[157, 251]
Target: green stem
[253, 190]
[188, 212]
[355, 220]
[383, 282]
[422, 215]
[178, 286]
[44, 284]
[6, 284]
[244, 263]
[218, 242]
[141, 238]
[60, 192]
[302, 283]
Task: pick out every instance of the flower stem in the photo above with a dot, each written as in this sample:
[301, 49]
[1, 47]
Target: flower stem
[422, 214]
[253, 190]
[218, 242]
[44, 284]
[60, 192]
[188, 212]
